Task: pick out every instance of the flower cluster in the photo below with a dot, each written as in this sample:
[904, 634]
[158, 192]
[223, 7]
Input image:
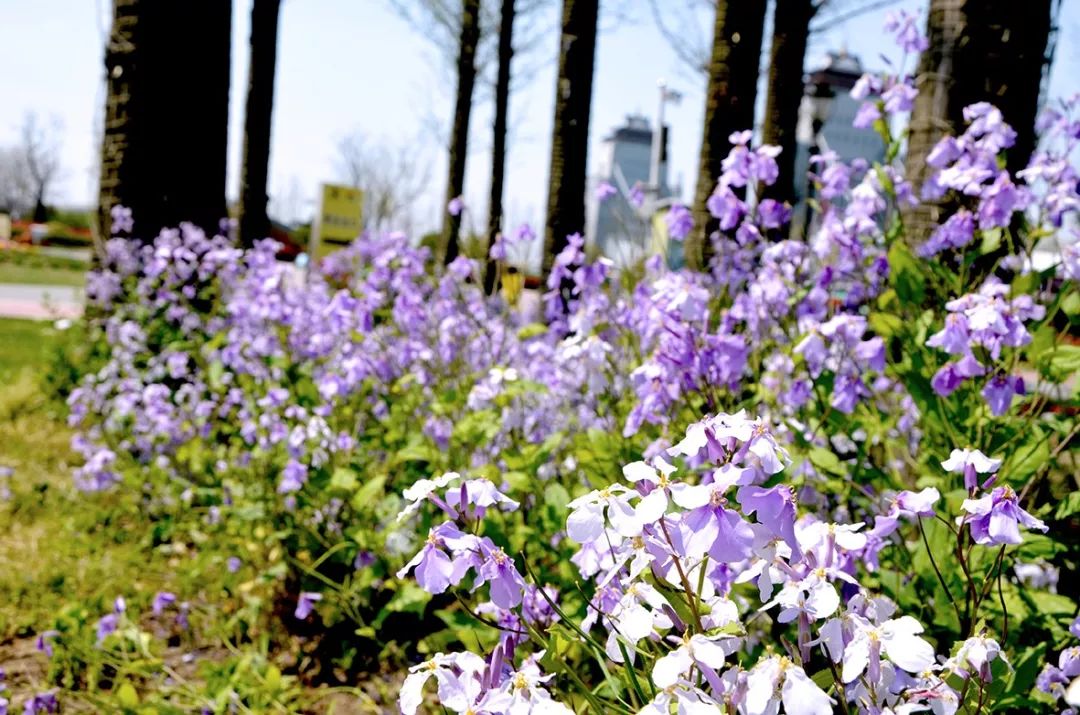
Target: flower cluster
[676, 564]
[986, 322]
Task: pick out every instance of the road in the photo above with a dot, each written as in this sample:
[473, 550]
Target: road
[40, 302]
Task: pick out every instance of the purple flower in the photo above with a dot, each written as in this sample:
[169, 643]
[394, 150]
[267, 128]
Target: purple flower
[903, 26]
[906, 504]
[637, 195]
[305, 604]
[162, 600]
[474, 496]
[435, 570]
[679, 222]
[866, 116]
[604, 191]
[773, 214]
[957, 232]
[233, 564]
[712, 528]
[953, 374]
[122, 220]
[106, 626]
[455, 206]
[899, 98]
[726, 206]
[847, 391]
[43, 644]
[499, 572]
[954, 338]
[975, 655]
[995, 517]
[775, 509]
[524, 234]
[293, 477]
[42, 703]
[999, 391]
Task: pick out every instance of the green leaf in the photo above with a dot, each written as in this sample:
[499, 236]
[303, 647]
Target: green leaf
[366, 496]
[531, 331]
[1068, 506]
[126, 696]
[826, 461]
[886, 324]
[991, 241]
[273, 678]
[518, 481]
[906, 275]
[555, 495]
[1029, 457]
[343, 479]
[1070, 306]
[1065, 360]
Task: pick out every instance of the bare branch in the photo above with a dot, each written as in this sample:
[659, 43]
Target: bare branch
[828, 22]
[691, 51]
[392, 178]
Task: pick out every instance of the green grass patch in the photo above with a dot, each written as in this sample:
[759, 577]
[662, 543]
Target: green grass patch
[25, 345]
[36, 268]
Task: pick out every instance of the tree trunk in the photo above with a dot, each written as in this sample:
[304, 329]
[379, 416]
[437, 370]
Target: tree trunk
[729, 107]
[791, 28]
[980, 51]
[570, 135]
[41, 212]
[125, 114]
[254, 221]
[166, 113]
[498, 144]
[459, 135]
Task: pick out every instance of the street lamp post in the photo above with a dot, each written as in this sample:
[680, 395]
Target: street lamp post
[666, 95]
[820, 97]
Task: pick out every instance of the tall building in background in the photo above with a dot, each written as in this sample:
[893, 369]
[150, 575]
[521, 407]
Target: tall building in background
[825, 118]
[615, 226]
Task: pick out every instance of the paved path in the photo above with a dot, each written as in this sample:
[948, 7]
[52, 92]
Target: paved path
[40, 302]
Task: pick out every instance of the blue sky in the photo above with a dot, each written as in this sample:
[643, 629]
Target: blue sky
[355, 67]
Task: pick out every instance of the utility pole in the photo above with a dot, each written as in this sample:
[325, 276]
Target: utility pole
[654, 188]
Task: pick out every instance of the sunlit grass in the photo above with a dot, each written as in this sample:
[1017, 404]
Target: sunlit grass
[30, 268]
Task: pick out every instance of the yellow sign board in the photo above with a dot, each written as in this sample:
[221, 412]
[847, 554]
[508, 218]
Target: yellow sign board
[340, 218]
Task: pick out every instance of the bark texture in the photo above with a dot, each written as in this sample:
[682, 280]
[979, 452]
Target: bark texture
[729, 107]
[570, 135]
[980, 51]
[254, 221]
[459, 134]
[498, 144]
[791, 30]
[166, 113]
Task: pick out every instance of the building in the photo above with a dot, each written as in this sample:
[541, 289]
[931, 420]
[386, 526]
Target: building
[615, 226]
[825, 122]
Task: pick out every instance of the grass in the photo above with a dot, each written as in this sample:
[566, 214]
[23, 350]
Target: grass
[49, 550]
[65, 554]
[25, 345]
[55, 549]
[33, 268]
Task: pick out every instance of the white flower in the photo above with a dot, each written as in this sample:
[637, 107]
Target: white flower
[975, 655]
[698, 650]
[960, 459]
[421, 489]
[897, 637]
[814, 596]
[799, 694]
[654, 504]
[586, 521]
